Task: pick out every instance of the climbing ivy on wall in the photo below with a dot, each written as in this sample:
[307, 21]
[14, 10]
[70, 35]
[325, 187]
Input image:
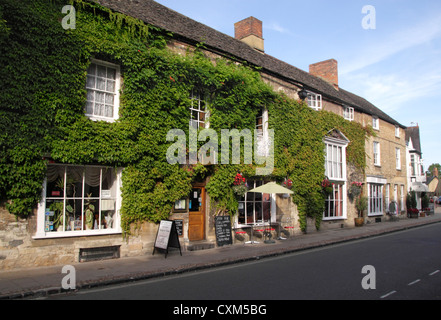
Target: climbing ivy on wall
[43, 98]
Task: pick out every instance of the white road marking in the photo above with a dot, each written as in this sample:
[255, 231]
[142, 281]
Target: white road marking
[387, 295]
[414, 282]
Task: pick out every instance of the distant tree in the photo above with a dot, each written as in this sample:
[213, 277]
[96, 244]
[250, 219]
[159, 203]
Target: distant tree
[432, 167]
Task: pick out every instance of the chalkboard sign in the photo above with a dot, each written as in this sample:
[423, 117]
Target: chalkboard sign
[167, 237]
[179, 227]
[222, 225]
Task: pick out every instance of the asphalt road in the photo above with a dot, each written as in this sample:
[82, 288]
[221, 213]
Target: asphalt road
[400, 266]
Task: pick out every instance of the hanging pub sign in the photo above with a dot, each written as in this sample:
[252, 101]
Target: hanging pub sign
[167, 237]
[222, 225]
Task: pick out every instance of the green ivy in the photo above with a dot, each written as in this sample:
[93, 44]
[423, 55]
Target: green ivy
[42, 112]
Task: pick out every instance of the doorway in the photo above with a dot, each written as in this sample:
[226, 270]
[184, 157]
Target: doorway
[196, 217]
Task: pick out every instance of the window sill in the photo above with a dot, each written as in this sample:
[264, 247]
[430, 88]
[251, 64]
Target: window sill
[334, 218]
[378, 214]
[75, 234]
[95, 118]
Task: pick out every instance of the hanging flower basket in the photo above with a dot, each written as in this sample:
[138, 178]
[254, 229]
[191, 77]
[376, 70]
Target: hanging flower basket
[239, 186]
[355, 189]
[327, 187]
[287, 184]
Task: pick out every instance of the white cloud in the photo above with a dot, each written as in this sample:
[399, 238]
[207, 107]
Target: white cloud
[274, 26]
[393, 43]
[390, 92]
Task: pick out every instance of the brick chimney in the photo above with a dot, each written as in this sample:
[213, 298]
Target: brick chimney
[249, 31]
[327, 70]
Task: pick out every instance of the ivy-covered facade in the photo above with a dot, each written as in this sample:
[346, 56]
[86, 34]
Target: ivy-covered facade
[90, 94]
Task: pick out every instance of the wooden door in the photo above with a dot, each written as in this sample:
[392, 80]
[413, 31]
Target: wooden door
[196, 221]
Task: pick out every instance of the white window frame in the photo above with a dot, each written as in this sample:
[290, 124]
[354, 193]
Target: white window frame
[43, 233]
[402, 197]
[243, 206]
[198, 107]
[262, 134]
[397, 131]
[314, 100]
[413, 165]
[335, 170]
[375, 199]
[348, 113]
[335, 204]
[377, 153]
[375, 123]
[398, 158]
[387, 196]
[116, 92]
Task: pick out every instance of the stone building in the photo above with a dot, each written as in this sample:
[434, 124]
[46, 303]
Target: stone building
[34, 242]
[414, 163]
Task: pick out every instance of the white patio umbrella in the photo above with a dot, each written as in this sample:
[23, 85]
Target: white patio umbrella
[271, 188]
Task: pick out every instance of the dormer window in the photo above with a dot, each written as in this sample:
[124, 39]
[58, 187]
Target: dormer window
[314, 101]
[102, 85]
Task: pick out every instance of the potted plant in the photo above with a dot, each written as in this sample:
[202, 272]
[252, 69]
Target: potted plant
[89, 209]
[412, 211]
[57, 208]
[361, 204]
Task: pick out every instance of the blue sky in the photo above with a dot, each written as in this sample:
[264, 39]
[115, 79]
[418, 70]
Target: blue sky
[396, 66]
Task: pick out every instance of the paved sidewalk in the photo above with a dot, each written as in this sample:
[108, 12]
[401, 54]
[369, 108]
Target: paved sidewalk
[45, 281]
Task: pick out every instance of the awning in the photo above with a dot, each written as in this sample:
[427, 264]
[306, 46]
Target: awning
[419, 187]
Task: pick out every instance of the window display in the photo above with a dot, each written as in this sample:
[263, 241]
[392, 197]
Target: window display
[79, 198]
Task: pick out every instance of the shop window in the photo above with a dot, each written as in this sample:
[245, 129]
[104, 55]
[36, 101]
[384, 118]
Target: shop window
[254, 208]
[78, 199]
[375, 195]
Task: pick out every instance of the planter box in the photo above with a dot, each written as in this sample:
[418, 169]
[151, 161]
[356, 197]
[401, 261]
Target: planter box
[359, 222]
[413, 215]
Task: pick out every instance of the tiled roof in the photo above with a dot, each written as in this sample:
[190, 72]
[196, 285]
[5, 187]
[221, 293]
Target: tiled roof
[414, 134]
[194, 32]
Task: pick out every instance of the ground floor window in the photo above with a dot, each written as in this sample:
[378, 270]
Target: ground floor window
[254, 208]
[375, 195]
[334, 203]
[79, 199]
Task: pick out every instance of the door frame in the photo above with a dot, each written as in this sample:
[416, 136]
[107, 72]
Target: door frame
[203, 212]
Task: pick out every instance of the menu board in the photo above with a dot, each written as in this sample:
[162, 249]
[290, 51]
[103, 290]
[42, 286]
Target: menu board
[167, 237]
[222, 226]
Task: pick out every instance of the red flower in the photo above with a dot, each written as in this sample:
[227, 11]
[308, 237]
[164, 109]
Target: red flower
[171, 78]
